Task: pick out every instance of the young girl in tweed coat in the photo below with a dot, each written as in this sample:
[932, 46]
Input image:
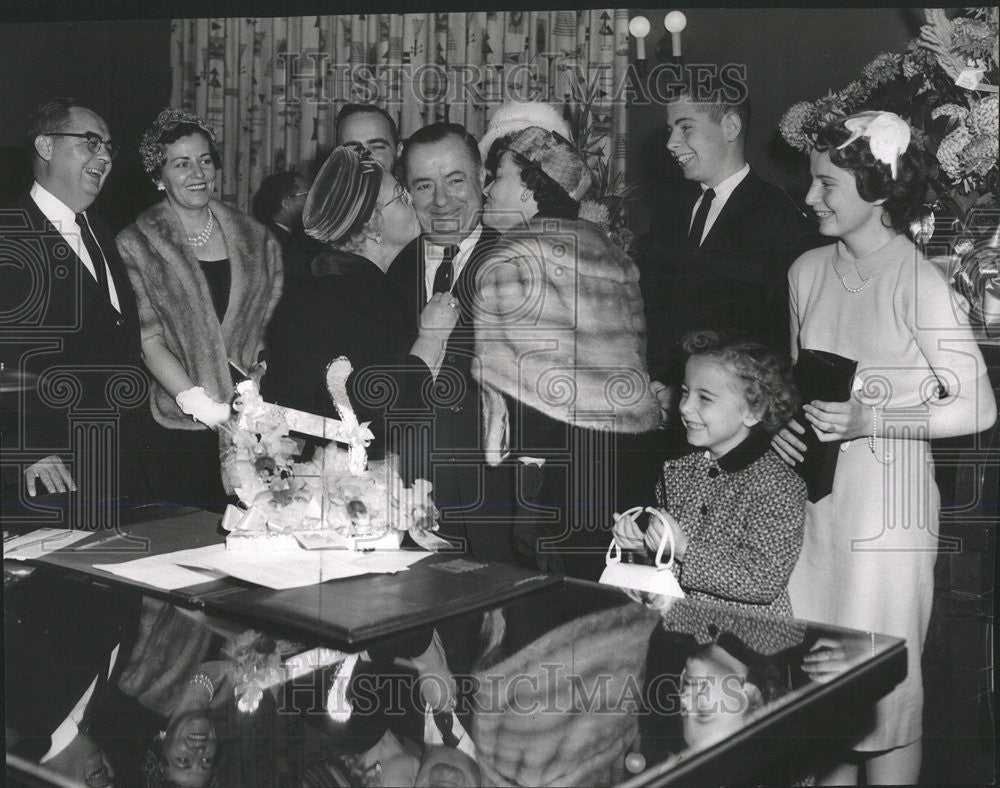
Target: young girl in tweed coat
[735, 509]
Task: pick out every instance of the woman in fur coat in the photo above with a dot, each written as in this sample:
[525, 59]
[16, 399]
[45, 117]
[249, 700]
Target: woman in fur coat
[206, 278]
[560, 339]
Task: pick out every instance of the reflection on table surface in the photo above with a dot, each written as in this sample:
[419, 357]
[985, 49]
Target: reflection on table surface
[575, 685]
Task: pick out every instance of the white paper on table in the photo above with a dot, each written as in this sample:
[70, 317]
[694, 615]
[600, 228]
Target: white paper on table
[41, 542]
[278, 570]
[155, 571]
[385, 561]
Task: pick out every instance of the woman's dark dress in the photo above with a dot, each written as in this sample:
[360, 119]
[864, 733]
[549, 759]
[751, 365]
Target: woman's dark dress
[185, 467]
[348, 309]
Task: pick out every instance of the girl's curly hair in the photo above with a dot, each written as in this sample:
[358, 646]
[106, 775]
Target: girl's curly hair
[904, 197]
[766, 376]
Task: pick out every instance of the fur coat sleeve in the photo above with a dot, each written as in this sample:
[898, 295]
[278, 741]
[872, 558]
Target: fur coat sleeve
[174, 300]
[559, 326]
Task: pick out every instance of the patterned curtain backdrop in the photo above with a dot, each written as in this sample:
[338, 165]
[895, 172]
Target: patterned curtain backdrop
[272, 87]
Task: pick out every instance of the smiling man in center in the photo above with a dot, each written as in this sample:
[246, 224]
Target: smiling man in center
[443, 172]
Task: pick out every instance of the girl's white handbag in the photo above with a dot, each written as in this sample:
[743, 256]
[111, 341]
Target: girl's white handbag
[656, 579]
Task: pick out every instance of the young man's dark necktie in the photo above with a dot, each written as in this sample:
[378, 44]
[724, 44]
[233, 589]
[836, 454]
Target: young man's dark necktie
[445, 272]
[96, 255]
[698, 225]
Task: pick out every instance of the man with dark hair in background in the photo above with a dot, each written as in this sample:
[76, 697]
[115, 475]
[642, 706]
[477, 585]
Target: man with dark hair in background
[278, 204]
[372, 128]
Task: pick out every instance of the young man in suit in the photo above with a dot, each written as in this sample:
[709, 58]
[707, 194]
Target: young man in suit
[444, 174]
[720, 261]
[71, 327]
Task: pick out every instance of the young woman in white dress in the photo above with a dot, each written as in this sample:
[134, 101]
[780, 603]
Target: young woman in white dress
[868, 554]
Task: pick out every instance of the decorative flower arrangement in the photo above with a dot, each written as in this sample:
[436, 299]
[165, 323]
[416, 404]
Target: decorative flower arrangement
[258, 461]
[945, 86]
[254, 663]
[607, 209]
[337, 490]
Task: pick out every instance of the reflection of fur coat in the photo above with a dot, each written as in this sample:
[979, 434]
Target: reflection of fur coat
[559, 327]
[174, 299]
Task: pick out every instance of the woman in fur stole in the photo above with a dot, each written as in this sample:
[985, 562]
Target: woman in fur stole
[560, 339]
[206, 278]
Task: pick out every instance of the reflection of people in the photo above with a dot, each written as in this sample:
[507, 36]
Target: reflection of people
[868, 558]
[560, 349]
[736, 511]
[531, 723]
[207, 278]
[710, 668]
[722, 685]
[443, 765]
[364, 218]
[88, 315]
[60, 671]
[185, 754]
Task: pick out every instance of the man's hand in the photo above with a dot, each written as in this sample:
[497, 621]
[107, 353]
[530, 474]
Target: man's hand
[788, 445]
[51, 472]
[664, 396]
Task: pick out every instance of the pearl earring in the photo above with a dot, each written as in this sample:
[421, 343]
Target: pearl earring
[160, 187]
[525, 194]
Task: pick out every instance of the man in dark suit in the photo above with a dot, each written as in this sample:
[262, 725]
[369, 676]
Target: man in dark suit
[70, 325]
[278, 204]
[719, 261]
[444, 174]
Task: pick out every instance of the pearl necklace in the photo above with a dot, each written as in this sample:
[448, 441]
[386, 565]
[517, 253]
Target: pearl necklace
[840, 276]
[853, 289]
[202, 238]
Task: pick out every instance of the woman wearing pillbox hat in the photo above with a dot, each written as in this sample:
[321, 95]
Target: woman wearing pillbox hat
[560, 339]
[510, 119]
[365, 218]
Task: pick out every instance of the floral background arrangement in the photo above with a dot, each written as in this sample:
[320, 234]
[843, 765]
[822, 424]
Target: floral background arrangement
[945, 86]
[338, 490]
[607, 208]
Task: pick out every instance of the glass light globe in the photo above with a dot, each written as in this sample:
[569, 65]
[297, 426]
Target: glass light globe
[675, 21]
[638, 26]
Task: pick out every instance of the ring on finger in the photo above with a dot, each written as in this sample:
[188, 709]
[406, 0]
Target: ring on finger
[453, 303]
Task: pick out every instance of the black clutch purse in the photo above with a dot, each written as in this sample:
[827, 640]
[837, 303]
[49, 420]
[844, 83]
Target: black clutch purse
[827, 377]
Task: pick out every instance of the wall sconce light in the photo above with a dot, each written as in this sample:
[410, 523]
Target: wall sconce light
[638, 26]
[674, 22]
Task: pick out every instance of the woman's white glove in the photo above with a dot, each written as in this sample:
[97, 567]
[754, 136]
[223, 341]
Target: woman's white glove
[201, 407]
